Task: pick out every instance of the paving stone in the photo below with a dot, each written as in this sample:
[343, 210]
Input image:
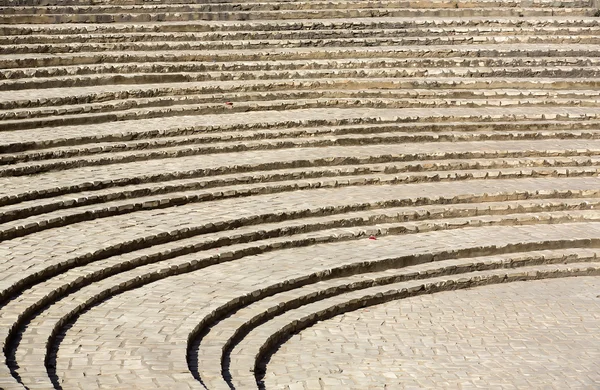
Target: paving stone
[182, 184]
[504, 334]
[168, 292]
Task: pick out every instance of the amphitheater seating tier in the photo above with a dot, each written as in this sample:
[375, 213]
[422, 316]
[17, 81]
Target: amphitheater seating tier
[186, 185]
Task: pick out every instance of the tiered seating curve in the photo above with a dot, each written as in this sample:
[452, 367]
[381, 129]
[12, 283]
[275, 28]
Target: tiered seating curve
[186, 184]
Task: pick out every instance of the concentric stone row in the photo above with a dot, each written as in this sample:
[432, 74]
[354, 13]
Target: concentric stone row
[185, 186]
[478, 347]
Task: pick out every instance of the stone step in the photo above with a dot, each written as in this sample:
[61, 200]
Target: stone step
[64, 217]
[25, 140]
[445, 169]
[447, 87]
[210, 353]
[345, 136]
[573, 256]
[249, 66]
[151, 227]
[280, 105]
[438, 3]
[297, 266]
[246, 359]
[102, 271]
[315, 230]
[70, 147]
[355, 225]
[17, 41]
[11, 61]
[317, 39]
[164, 150]
[555, 72]
[279, 6]
[170, 147]
[126, 16]
[300, 24]
[77, 179]
[560, 77]
[404, 98]
[394, 342]
[179, 105]
[490, 73]
[185, 173]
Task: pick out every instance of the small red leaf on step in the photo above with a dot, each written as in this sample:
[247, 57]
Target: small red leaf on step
[372, 238]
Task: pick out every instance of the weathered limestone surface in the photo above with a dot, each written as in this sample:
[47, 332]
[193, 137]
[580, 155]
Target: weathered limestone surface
[299, 194]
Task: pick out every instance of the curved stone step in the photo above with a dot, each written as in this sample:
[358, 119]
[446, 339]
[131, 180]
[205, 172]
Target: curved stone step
[300, 24]
[378, 106]
[73, 180]
[38, 39]
[149, 205]
[51, 3]
[260, 6]
[320, 117]
[233, 291]
[30, 225]
[305, 90]
[68, 282]
[432, 146]
[415, 342]
[281, 54]
[175, 66]
[104, 271]
[245, 364]
[223, 142]
[223, 107]
[209, 356]
[22, 270]
[368, 98]
[448, 88]
[185, 7]
[37, 149]
[566, 74]
[445, 170]
[149, 16]
[316, 40]
[52, 137]
[54, 3]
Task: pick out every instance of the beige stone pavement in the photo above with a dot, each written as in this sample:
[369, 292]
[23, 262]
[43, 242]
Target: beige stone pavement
[539, 334]
[157, 239]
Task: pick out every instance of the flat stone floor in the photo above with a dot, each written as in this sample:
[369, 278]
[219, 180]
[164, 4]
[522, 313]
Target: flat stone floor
[521, 335]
